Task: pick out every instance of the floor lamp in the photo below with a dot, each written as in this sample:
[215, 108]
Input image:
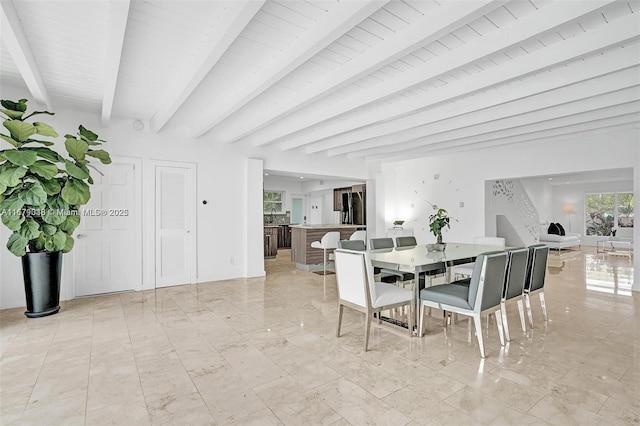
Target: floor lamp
[569, 209]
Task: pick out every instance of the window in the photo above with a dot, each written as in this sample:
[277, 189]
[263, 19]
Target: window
[273, 201]
[604, 212]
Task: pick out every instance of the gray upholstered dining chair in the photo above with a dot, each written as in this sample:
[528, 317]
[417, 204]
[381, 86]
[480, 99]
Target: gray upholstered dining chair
[390, 275]
[467, 268]
[358, 290]
[514, 285]
[483, 295]
[407, 241]
[536, 272]
[352, 245]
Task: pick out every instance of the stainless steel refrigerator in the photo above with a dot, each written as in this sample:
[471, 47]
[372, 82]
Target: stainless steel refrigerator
[354, 208]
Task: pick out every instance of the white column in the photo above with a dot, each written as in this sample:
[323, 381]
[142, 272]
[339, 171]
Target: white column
[636, 224]
[254, 261]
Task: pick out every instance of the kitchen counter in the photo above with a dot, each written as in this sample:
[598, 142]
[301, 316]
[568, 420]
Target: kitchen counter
[330, 226]
[302, 236]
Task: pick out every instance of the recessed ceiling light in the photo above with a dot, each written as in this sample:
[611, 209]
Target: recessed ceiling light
[550, 178]
[567, 182]
[266, 174]
[301, 177]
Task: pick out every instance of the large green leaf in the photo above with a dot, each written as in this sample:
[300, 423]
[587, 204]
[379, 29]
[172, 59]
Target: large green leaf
[11, 212]
[3, 188]
[54, 216]
[76, 148]
[75, 171]
[20, 130]
[51, 186]
[21, 105]
[56, 202]
[33, 194]
[68, 245]
[47, 154]
[101, 155]
[71, 223]
[88, 134]
[12, 176]
[49, 230]
[10, 140]
[56, 242]
[75, 192]
[29, 229]
[12, 114]
[2, 157]
[17, 244]
[45, 143]
[44, 168]
[45, 130]
[20, 158]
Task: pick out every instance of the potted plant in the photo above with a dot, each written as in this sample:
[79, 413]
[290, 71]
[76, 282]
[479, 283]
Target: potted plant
[437, 222]
[41, 192]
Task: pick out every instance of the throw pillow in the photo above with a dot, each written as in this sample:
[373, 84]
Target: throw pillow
[553, 229]
[561, 228]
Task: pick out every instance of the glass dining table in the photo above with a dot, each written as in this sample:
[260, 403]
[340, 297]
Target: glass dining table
[419, 260]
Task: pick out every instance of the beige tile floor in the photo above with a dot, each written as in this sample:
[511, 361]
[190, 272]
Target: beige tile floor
[264, 351]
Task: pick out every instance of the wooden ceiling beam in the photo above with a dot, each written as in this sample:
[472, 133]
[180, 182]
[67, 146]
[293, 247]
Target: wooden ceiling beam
[15, 40]
[117, 28]
[223, 33]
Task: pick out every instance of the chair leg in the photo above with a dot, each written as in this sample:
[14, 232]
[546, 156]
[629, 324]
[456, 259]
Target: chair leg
[477, 321]
[499, 322]
[527, 302]
[521, 311]
[367, 327]
[421, 320]
[544, 306]
[324, 272]
[503, 308]
[340, 311]
[410, 319]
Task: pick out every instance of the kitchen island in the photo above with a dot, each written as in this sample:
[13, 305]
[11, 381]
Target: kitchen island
[302, 236]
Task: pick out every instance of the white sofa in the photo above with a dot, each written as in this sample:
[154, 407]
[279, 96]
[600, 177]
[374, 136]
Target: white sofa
[559, 242]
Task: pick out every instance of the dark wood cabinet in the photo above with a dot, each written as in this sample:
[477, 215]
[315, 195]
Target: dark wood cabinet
[284, 236]
[270, 241]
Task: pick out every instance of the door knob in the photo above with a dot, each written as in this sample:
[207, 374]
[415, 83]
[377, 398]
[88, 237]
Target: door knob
[81, 236]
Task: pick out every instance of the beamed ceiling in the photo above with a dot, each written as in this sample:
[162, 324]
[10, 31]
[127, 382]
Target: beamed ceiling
[373, 80]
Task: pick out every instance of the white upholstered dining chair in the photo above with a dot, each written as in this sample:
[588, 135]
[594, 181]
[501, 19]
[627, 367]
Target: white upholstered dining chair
[358, 290]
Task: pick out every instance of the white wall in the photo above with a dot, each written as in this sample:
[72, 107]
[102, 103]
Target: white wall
[541, 195]
[409, 186]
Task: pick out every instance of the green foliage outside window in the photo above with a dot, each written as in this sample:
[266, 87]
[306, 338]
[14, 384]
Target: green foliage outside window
[272, 201]
[606, 211]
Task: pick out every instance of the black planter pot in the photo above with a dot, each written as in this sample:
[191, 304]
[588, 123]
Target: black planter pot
[42, 273]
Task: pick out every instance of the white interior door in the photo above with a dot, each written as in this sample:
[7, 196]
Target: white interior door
[107, 252]
[175, 224]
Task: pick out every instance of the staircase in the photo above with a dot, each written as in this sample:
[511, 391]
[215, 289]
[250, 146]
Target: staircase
[511, 211]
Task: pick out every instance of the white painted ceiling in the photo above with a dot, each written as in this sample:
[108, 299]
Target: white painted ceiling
[379, 80]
